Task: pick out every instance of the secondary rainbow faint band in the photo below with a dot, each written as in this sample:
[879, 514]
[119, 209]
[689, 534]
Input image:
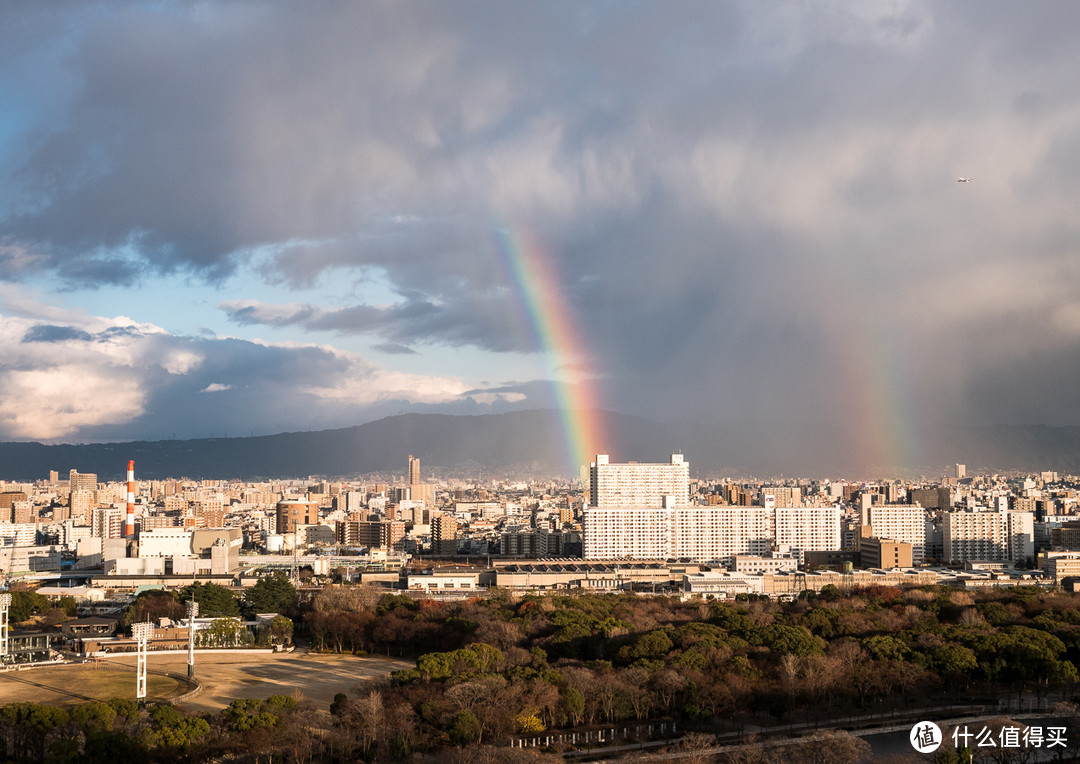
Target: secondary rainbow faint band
[556, 333]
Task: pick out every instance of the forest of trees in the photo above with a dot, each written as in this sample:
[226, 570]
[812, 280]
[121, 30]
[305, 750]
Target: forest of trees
[490, 668]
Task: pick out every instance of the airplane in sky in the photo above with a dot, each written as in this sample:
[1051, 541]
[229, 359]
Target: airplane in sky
[964, 180]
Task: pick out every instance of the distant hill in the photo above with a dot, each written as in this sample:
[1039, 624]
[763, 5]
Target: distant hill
[532, 442]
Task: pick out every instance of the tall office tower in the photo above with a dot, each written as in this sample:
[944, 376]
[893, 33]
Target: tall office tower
[54, 476]
[417, 490]
[82, 481]
[961, 471]
[639, 485]
[899, 522]
[992, 536]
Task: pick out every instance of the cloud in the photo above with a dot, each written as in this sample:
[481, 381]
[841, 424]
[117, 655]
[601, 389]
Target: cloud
[393, 348]
[748, 209]
[48, 333]
[485, 321]
[116, 380]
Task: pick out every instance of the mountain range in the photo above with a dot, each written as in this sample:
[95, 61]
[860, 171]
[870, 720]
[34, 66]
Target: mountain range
[533, 443]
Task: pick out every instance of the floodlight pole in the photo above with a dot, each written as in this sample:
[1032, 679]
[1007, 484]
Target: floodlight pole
[192, 611]
[5, 603]
[141, 632]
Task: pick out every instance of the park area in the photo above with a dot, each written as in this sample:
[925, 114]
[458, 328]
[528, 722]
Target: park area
[222, 676]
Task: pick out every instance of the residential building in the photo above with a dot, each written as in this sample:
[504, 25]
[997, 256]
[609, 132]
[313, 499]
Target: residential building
[639, 485]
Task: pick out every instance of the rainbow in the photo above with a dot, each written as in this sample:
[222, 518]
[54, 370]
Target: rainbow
[882, 421]
[555, 333]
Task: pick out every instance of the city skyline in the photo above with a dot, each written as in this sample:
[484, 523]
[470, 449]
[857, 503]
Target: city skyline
[235, 219]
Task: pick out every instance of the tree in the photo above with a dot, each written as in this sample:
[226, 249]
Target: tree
[368, 716]
[281, 630]
[273, 594]
[224, 632]
[573, 704]
[93, 717]
[215, 601]
[153, 605]
[464, 729]
[25, 604]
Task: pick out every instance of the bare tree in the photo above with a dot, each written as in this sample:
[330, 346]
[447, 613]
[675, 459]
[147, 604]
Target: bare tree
[696, 748]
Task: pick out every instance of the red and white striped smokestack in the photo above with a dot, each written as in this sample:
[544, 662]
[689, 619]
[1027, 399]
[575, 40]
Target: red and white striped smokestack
[129, 522]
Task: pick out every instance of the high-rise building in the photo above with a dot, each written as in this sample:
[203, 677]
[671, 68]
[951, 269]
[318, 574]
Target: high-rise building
[992, 536]
[414, 470]
[295, 512]
[108, 522]
[639, 485]
[782, 496]
[639, 533]
[899, 522]
[807, 529]
[718, 534]
[81, 503]
[938, 497]
[714, 534]
[8, 500]
[384, 534]
[82, 481]
[23, 512]
[444, 533]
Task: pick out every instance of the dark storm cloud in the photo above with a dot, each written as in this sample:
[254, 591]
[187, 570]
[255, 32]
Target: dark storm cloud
[393, 348]
[481, 322]
[48, 333]
[746, 206]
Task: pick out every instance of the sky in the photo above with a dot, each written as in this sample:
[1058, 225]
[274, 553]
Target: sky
[235, 218]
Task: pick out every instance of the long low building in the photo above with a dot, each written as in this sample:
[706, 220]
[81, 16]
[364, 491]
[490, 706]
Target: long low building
[793, 583]
[543, 575]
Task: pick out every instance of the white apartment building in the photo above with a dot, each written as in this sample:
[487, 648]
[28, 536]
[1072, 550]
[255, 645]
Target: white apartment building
[719, 534]
[988, 535]
[807, 529]
[706, 534]
[17, 534]
[900, 522]
[621, 533]
[639, 485]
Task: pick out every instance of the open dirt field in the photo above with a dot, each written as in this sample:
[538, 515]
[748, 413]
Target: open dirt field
[64, 685]
[224, 677]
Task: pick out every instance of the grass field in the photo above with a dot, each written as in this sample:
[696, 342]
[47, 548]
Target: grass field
[65, 685]
[223, 677]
